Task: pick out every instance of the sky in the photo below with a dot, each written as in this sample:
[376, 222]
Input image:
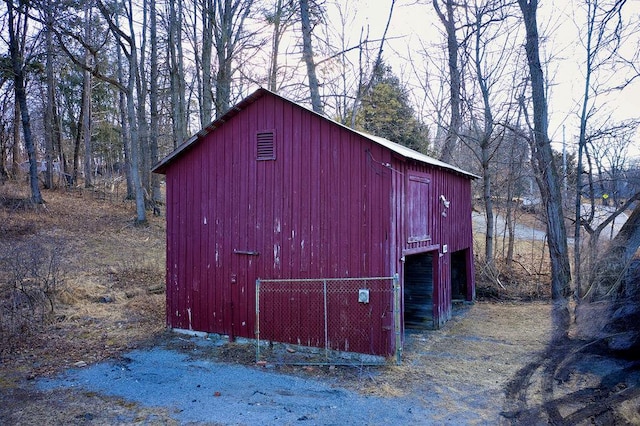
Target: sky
[415, 24]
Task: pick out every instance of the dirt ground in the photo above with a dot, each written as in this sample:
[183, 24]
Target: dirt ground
[492, 363]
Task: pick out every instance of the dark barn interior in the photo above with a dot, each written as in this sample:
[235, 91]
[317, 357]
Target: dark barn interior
[459, 276]
[418, 291]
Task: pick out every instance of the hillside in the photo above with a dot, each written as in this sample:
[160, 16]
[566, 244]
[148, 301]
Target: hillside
[104, 275]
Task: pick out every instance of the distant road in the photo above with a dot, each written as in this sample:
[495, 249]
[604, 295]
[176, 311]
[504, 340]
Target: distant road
[524, 232]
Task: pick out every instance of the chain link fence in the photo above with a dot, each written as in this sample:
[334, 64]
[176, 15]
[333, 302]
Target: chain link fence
[336, 321]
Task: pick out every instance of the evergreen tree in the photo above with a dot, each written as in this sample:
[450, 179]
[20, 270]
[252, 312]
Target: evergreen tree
[386, 112]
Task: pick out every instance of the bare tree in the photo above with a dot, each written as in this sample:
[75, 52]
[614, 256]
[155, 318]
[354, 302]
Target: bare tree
[546, 172]
[230, 37]
[203, 62]
[154, 131]
[16, 152]
[124, 121]
[485, 134]
[177, 75]
[307, 54]
[602, 38]
[280, 18]
[129, 45]
[366, 82]
[605, 152]
[455, 120]
[86, 98]
[17, 28]
[52, 130]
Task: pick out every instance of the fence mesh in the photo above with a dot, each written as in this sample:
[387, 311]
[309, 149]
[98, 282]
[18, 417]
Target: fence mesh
[328, 321]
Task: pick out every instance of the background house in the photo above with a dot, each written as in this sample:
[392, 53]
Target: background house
[272, 190]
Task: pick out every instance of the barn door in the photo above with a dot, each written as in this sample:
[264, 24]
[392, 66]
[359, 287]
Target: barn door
[241, 294]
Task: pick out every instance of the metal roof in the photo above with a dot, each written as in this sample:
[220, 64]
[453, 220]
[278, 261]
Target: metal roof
[401, 150]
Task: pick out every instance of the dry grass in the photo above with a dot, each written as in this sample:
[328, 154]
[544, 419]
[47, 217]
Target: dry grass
[109, 304]
[109, 266]
[477, 349]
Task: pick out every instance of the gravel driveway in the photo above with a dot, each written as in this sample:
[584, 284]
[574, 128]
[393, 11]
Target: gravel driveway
[202, 391]
[455, 375]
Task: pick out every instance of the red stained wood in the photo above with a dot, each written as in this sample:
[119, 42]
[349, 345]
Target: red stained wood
[333, 203]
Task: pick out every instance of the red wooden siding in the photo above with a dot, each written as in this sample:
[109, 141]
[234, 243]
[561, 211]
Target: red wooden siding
[453, 230]
[320, 209]
[326, 203]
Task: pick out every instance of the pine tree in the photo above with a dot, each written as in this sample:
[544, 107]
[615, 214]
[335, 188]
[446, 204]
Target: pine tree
[387, 112]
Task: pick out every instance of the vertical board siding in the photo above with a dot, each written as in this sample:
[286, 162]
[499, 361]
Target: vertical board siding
[313, 212]
[331, 204]
[454, 230]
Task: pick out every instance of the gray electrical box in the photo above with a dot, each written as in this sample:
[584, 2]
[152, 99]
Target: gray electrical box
[363, 295]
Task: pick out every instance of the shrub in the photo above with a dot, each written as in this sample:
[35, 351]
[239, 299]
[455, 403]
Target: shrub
[31, 276]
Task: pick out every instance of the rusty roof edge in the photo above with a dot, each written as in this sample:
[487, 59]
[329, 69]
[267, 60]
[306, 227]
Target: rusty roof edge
[402, 150]
[415, 155]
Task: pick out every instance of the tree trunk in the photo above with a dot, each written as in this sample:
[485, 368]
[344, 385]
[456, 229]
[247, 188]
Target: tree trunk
[3, 153]
[76, 145]
[124, 122]
[17, 64]
[177, 72]
[307, 54]
[49, 116]
[86, 101]
[133, 129]
[207, 49]
[224, 51]
[547, 175]
[272, 83]
[143, 125]
[57, 139]
[156, 196]
[16, 155]
[451, 139]
[485, 138]
[627, 242]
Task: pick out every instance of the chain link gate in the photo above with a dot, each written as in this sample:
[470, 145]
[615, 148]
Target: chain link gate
[336, 321]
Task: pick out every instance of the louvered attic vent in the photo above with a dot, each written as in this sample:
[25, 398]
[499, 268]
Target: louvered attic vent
[266, 145]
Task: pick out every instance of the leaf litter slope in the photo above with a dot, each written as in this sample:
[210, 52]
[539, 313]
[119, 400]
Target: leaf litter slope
[457, 374]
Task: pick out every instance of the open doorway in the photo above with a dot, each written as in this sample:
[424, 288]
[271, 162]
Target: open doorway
[418, 291]
[459, 277]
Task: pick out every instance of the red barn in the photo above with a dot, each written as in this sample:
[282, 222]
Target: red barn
[272, 190]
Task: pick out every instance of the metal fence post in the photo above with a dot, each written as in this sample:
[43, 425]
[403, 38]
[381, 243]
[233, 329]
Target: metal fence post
[257, 331]
[396, 316]
[326, 324]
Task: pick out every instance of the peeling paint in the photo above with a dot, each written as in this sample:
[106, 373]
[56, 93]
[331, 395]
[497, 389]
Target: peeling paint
[205, 220]
[189, 314]
[276, 256]
[277, 227]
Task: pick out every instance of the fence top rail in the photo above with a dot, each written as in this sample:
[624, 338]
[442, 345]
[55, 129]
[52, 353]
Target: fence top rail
[303, 280]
